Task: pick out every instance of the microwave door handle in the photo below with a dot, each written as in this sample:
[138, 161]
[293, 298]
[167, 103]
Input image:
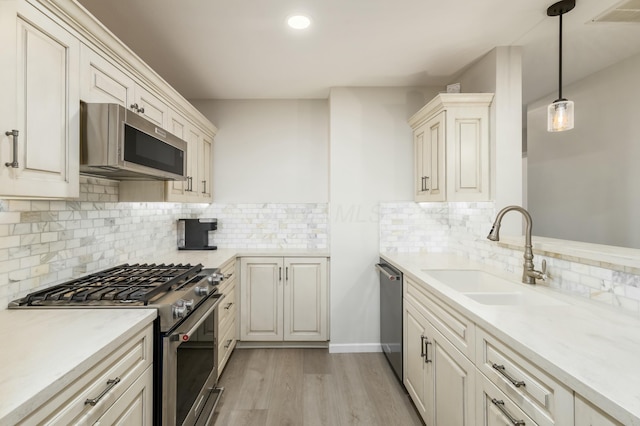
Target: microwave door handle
[184, 337]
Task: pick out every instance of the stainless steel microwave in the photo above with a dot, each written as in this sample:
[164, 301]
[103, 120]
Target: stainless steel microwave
[119, 144]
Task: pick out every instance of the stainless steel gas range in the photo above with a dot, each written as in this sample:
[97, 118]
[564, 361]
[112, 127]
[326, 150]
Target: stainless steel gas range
[185, 358]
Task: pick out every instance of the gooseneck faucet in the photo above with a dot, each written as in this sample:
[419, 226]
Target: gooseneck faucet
[529, 274]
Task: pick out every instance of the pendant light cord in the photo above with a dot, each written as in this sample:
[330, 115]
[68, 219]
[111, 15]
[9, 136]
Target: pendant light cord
[560, 61]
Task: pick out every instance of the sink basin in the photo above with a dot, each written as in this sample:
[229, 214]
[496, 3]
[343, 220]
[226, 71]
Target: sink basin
[472, 280]
[515, 298]
[488, 289]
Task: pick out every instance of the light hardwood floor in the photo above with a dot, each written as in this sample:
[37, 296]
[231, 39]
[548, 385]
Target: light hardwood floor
[309, 387]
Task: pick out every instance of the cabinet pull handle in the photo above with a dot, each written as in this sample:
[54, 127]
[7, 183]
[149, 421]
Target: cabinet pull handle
[286, 273]
[500, 404]
[228, 343]
[110, 384]
[141, 110]
[500, 369]
[426, 350]
[228, 305]
[204, 186]
[189, 184]
[14, 163]
[135, 107]
[422, 347]
[426, 181]
[280, 273]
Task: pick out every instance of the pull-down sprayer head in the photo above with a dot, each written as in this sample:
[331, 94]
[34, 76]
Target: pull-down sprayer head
[494, 234]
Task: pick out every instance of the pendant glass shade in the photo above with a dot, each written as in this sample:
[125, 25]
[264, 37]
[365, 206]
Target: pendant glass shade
[560, 116]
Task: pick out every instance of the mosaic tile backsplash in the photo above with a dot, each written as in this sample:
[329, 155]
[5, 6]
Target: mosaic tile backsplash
[461, 228]
[43, 243]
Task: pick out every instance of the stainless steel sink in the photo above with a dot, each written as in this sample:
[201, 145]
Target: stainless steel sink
[488, 289]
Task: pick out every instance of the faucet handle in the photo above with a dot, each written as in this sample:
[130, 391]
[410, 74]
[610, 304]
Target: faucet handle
[543, 274]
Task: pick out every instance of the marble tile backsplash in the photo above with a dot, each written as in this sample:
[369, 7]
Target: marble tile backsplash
[270, 225]
[413, 227]
[43, 243]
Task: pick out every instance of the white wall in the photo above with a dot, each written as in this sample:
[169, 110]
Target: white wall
[272, 151]
[583, 183]
[500, 72]
[371, 160]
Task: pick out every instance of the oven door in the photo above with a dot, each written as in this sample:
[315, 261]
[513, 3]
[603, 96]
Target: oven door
[190, 371]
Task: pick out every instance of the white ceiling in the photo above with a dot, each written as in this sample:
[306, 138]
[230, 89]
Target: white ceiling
[242, 49]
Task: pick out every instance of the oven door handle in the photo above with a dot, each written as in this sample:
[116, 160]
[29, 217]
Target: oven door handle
[184, 337]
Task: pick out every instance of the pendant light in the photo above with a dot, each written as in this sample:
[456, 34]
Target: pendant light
[560, 112]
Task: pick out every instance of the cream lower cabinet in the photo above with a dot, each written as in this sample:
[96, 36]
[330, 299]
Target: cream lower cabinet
[119, 386]
[589, 415]
[438, 377]
[39, 110]
[452, 149]
[227, 313]
[283, 299]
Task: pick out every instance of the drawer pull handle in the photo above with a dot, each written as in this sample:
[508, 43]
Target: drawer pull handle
[500, 369]
[500, 404]
[110, 384]
[228, 343]
[228, 305]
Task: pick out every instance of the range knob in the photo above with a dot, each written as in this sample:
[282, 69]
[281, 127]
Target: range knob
[201, 291]
[188, 304]
[179, 310]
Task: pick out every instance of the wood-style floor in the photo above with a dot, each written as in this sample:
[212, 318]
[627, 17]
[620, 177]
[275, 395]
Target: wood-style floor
[309, 387]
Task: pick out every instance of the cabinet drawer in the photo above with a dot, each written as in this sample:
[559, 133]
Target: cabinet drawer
[226, 344]
[540, 396]
[494, 408]
[227, 310]
[458, 329]
[229, 271]
[112, 375]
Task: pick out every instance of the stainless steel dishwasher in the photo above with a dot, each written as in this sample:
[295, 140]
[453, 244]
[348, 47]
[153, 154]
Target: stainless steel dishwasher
[391, 315]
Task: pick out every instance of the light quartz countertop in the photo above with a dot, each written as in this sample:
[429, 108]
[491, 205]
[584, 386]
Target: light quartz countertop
[44, 350]
[592, 349]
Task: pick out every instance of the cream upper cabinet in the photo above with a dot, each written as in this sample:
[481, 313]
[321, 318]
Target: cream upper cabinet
[438, 377]
[205, 169]
[39, 116]
[429, 166]
[283, 299]
[102, 81]
[452, 147]
[150, 106]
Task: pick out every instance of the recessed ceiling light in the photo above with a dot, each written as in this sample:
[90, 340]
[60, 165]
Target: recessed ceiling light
[299, 22]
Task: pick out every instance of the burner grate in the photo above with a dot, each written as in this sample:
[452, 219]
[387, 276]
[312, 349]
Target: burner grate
[138, 282]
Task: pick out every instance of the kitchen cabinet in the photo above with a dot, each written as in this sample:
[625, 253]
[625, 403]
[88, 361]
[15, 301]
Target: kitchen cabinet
[103, 82]
[283, 299]
[438, 377]
[227, 313]
[117, 389]
[534, 392]
[493, 408]
[429, 165]
[452, 148]
[589, 415]
[39, 111]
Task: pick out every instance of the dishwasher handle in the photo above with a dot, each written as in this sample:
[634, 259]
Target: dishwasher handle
[391, 276]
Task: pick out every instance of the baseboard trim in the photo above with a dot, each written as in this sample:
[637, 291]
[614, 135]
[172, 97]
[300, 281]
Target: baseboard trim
[337, 348]
[273, 345]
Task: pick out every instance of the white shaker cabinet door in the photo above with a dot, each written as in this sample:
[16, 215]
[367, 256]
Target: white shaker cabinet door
[305, 298]
[43, 107]
[261, 289]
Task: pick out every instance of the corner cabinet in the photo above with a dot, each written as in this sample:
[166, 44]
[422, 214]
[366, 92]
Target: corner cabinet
[452, 147]
[39, 112]
[283, 299]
